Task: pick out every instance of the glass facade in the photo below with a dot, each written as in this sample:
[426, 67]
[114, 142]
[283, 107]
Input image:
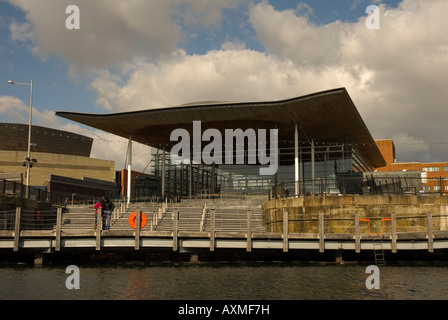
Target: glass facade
[323, 169]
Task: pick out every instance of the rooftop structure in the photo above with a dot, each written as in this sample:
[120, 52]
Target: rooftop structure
[320, 136]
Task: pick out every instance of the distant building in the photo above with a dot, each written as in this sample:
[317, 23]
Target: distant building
[63, 159]
[433, 175]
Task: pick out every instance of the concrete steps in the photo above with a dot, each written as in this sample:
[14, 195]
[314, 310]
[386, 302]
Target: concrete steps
[189, 217]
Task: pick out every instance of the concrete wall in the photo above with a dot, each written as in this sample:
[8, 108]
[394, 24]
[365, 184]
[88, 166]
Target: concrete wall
[339, 213]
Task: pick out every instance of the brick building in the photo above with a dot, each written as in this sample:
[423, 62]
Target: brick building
[434, 175]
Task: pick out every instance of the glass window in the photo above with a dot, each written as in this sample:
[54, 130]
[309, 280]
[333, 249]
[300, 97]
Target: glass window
[437, 188]
[445, 168]
[426, 188]
[431, 169]
[446, 188]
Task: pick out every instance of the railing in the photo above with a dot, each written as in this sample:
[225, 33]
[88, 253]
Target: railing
[28, 219]
[18, 189]
[323, 228]
[22, 226]
[364, 185]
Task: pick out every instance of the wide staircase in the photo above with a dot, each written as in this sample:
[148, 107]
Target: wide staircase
[193, 215]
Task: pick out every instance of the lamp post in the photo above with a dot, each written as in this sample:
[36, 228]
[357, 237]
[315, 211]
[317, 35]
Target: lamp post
[28, 161]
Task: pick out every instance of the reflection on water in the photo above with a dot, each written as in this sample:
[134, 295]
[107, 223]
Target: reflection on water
[275, 281]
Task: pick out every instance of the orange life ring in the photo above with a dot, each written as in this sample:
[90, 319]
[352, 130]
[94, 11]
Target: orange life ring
[133, 217]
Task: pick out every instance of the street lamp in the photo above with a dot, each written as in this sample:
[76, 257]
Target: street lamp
[28, 162]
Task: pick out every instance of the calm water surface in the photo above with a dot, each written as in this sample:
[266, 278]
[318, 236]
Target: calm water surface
[276, 281]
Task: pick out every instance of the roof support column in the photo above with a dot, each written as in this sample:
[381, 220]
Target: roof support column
[313, 169]
[296, 161]
[190, 177]
[163, 173]
[128, 192]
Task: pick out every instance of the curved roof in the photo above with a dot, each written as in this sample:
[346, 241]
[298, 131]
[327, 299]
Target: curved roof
[327, 116]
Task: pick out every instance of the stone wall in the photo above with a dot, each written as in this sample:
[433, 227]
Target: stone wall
[339, 213]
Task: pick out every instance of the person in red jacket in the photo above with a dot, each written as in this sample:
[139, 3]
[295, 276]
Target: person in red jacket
[107, 207]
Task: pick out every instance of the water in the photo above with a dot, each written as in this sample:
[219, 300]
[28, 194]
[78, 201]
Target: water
[134, 281]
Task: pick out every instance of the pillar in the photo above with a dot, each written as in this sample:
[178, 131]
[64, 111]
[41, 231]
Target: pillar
[128, 192]
[163, 173]
[194, 258]
[313, 169]
[296, 161]
[38, 259]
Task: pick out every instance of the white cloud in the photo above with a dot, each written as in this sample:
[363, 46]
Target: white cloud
[20, 31]
[114, 31]
[13, 109]
[395, 75]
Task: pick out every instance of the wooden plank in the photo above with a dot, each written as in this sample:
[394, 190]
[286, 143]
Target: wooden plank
[430, 233]
[285, 230]
[230, 234]
[321, 232]
[6, 233]
[248, 232]
[58, 229]
[414, 235]
[78, 233]
[212, 230]
[267, 235]
[37, 233]
[338, 236]
[156, 233]
[137, 229]
[175, 235]
[394, 233]
[192, 234]
[440, 234]
[17, 229]
[357, 234]
[300, 236]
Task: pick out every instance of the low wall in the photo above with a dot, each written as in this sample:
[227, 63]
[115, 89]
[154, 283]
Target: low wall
[410, 211]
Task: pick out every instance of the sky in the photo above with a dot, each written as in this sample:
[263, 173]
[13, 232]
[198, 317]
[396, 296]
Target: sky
[142, 54]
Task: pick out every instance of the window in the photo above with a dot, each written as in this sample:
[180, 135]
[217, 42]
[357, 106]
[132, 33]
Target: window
[427, 188]
[437, 188]
[431, 169]
[446, 188]
[445, 168]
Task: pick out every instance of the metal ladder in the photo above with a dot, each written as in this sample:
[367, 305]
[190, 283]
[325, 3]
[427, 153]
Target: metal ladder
[378, 251]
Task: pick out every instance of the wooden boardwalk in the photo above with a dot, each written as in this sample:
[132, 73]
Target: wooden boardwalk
[186, 229]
